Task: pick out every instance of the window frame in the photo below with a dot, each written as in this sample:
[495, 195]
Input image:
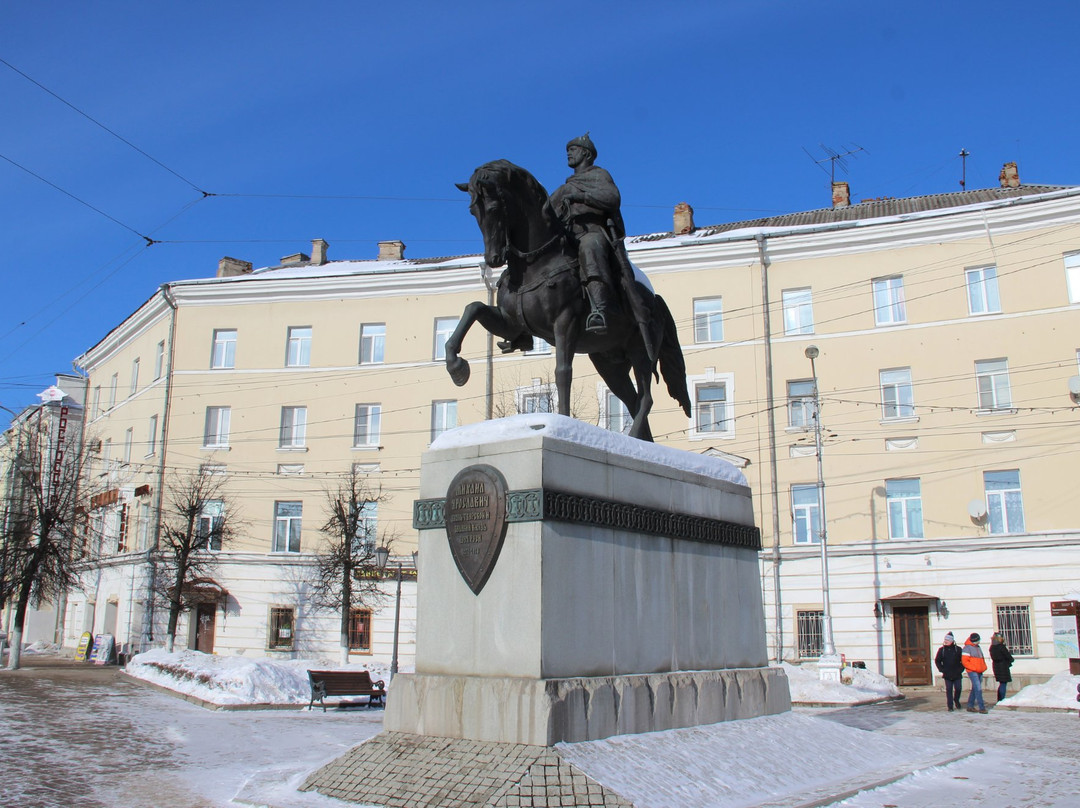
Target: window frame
[373, 345]
[721, 381]
[441, 333]
[906, 506]
[220, 434]
[989, 293]
[223, 349]
[708, 320]
[298, 346]
[614, 416]
[281, 628]
[159, 360]
[151, 443]
[284, 539]
[1016, 634]
[806, 514]
[810, 632]
[369, 437]
[134, 376]
[1071, 261]
[129, 442]
[892, 287]
[806, 403]
[992, 384]
[208, 525]
[794, 310]
[360, 620]
[443, 411]
[997, 502]
[902, 410]
[292, 433]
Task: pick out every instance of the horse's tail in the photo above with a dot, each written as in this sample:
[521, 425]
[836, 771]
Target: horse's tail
[672, 364]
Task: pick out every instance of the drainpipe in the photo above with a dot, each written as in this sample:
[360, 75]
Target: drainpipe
[770, 409]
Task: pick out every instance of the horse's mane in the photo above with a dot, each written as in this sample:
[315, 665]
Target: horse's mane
[508, 175]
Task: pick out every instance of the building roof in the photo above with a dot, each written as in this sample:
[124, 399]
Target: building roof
[883, 207]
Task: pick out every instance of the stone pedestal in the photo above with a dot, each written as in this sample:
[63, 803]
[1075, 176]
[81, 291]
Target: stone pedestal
[625, 597]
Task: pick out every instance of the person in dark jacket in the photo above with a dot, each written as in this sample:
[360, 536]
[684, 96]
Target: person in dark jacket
[952, 670]
[1002, 660]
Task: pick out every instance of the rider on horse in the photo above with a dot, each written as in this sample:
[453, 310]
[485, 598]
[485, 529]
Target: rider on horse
[588, 206]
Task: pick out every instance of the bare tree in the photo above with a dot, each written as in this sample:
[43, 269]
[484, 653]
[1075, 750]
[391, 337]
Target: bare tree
[345, 575]
[198, 520]
[41, 534]
[539, 395]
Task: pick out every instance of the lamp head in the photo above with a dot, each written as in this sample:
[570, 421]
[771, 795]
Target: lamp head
[811, 352]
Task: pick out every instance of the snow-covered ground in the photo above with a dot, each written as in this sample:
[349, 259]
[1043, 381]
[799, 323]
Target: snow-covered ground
[136, 747]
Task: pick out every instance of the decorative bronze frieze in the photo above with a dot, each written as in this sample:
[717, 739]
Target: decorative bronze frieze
[536, 504]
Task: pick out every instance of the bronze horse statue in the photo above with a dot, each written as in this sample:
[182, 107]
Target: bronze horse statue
[540, 294]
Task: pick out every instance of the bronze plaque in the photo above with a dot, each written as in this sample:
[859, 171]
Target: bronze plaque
[476, 522]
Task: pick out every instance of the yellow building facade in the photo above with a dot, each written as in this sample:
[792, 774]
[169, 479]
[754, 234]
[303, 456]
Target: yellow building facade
[945, 330]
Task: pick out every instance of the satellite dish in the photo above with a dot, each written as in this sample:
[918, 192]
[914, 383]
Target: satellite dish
[977, 509]
[1074, 386]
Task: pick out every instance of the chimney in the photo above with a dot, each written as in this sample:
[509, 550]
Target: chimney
[1009, 176]
[294, 259]
[318, 251]
[841, 195]
[684, 219]
[230, 267]
[391, 250]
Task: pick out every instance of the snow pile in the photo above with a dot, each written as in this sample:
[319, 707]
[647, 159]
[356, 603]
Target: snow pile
[1059, 694]
[807, 688]
[231, 680]
[572, 430]
[41, 647]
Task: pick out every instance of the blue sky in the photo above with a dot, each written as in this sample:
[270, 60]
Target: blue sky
[351, 122]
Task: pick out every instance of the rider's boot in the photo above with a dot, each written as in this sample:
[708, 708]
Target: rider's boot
[597, 292]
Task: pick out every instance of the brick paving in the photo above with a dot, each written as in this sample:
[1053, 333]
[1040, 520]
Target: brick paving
[399, 770]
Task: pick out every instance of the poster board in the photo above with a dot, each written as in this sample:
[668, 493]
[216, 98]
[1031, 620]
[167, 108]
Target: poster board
[82, 653]
[1065, 619]
[103, 649]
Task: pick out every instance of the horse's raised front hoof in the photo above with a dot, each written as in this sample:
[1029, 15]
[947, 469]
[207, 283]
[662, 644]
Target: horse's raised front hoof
[458, 369]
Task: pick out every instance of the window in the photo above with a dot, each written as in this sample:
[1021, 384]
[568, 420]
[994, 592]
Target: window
[1072, 276]
[800, 395]
[97, 401]
[1004, 504]
[372, 343]
[211, 469]
[982, 289]
[159, 360]
[293, 428]
[142, 530]
[444, 327]
[903, 499]
[368, 425]
[134, 376]
[711, 408]
[216, 433]
[360, 631]
[114, 382]
[224, 351]
[129, 439]
[443, 417]
[209, 527]
[616, 417]
[897, 400]
[992, 378]
[279, 635]
[798, 311]
[540, 346]
[151, 438]
[809, 632]
[537, 400]
[287, 519]
[298, 351]
[294, 469]
[367, 524]
[889, 301]
[1014, 624]
[709, 319]
[806, 514]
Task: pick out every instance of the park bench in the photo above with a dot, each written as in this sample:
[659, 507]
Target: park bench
[345, 683]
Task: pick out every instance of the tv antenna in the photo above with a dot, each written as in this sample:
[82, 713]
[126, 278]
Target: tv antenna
[964, 155]
[835, 158]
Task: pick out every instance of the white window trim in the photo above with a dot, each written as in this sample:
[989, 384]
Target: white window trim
[878, 321]
[784, 308]
[967, 289]
[708, 378]
[707, 316]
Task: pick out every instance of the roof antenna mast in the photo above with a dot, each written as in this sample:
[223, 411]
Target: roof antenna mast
[834, 158]
[964, 155]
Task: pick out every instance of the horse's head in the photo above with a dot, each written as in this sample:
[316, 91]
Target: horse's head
[508, 204]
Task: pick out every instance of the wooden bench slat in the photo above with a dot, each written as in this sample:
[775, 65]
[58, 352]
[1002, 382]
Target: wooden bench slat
[344, 683]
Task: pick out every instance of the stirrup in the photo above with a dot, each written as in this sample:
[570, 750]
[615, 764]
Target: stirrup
[595, 323]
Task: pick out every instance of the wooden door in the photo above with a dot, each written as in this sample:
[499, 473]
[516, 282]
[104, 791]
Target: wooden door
[204, 627]
[911, 632]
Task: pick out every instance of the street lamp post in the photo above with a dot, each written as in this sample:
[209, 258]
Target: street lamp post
[382, 556]
[829, 663]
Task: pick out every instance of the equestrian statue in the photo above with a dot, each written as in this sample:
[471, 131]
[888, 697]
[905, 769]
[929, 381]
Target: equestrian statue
[569, 281]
